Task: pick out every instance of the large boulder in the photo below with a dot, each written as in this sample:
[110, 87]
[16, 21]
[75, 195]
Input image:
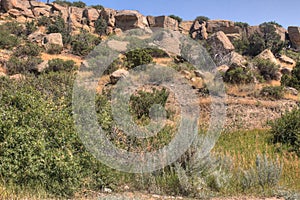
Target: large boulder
[185, 26]
[198, 30]
[37, 37]
[222, 25]
[60, 10]
[117, 75]
[236, 60]
[294, 34]
[109, 15]
[130, 19]
[220, 43]
[267, 55]
[52, 39]
[163, 22]
[17, 8]
[76, 16]
[91, 14]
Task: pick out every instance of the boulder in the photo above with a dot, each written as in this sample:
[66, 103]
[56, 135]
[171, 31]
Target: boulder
[130, 19]
[185, 26]
[287, 60]
[91, 14]
[294, 34]
[220, 44]
[117, 75]
[291, 90]
[52, 38]
[234, 36]
[42, 66]
[222, 25]
[109, 15]
[2, 74]
[223, 68]
[267, 55]
[37, 37]
[61, 10]
[76, 16]
[236, 60]
[163, 22]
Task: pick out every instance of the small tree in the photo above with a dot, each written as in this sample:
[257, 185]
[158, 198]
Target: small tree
[201, 19]
[138, 57]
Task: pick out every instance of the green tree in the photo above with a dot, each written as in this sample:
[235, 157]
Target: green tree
[100, 26]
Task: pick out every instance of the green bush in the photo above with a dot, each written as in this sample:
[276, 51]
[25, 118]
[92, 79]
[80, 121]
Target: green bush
[83, 43]
[179, 19]
[286, 130]
[138, 57]
[57, 64]
[242, 46]
[79, 4]
[44, 21]
[294, 79]
[274, 92]
[256, 45]
[100, 26]
[267, 69]
[63, 2]
[59, 26]
[241, 24]
[14, 28]
[201, 19]
[30, 27]
[54, 49]
[17, 65]
[29, 49]
[8, 41]
[239, 75]
[98, 7]
[142, 101]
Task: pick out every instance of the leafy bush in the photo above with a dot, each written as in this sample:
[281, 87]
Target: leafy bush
[286, 130]
[98, 7]
[179, 19]
[29, 49]
[267, 69]
[30, 27]
[44, 21]
[294, 79]
[201, 19]
[242, 45]
[142, 102]
[14, 28]
[8, 41]
[83, 43]
[274, 92]
[100, 26]
[63, 2]
[57, 64]
[256, 45]
[239, 75]
[241, 24]
[54, 49]
[156, 52]
[59, 26]
[79, 4]
[17, 65]
[138, 57]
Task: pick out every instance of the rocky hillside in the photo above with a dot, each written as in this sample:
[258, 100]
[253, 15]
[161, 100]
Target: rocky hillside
[261, 55]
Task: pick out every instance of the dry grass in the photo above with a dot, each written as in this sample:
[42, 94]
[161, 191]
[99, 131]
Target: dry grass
[76, 59]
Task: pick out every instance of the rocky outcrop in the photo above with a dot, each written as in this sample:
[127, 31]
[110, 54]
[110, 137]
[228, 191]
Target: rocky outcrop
[287, 60]
[109, 15]
[236, 60]
[52, 39]
[117, 75]
[220, 43]
[267, 55]
[294, 34]
[222, 25]
[130, 19]
[198, 30]
[163, 22]
[185, 27]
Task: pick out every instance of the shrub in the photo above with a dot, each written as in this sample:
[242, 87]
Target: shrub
[98, 7]
[100, 26]
[267, 69]
[14, 28]
[242, 45]
[8, 41]
[156, 52]
[179, 19]
[138, 57]
[17, 65]
[63, 2]
[57, 64]
[286, 130]
[29, 49]
[79, 4]
[83, 43]
[239, 75]
[30, 27]
[54, 49]
[294, 79]
[256, 45]
[241, 24]
[59, 26]
[274, 92]
[201, 19]
[44, 21]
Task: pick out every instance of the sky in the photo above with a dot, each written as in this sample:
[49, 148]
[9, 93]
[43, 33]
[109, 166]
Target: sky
[254, 12]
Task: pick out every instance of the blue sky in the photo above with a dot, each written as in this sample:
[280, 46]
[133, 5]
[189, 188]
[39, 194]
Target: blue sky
[253, 12]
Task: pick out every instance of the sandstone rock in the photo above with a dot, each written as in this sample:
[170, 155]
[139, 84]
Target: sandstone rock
[163, 22]
[17, 77]
[64, 11]
[185, 26]
[286, 71]
[234, 36]
[109, 30]
[109, 15]
[36, 37]
[281, 32]
[52, 38]
[199, 73]
[291, 90]
[220, 44]
[118, 31]
[130, 19]
[287, 60]
[42, 66]
[21, 19]
[117, 75]
[294, 34]
[236, 60]
[252, 30]
[2, 74]
[267, 55]
[199, 31]
[91, 14]
[223, 68]
[76, 16]
[222, 25]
